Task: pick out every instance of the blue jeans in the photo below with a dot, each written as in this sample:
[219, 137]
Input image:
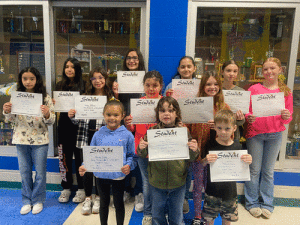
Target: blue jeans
[173, 199]
[29, 155]
[143, 164]
[264, 149]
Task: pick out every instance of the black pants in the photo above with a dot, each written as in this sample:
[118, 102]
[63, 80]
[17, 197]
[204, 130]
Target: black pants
[103, 186]
[88, 184]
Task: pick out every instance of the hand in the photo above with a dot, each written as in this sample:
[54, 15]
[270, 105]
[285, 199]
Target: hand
[211, 158]
[125, 169]
[285, 114]
[251, 118]
[143, 144]
[246, 158]
[82, 170]
[128, 121]
[211, 124]
[169, 92]
[53, 101]
[193, 145]
[239, 115]
[45, 111]
[115, 89]
[7, 107]
[71, 113]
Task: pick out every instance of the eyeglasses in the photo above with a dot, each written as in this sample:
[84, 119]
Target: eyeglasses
[134, 58]
[95, 78]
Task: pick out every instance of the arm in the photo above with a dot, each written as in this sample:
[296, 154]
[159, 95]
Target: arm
[142, 148]
[128, 123]
[286, 114]
[246, 158]
[130, 165]
[210, 158]
[48, 111]
[240, 118]
[7, 112]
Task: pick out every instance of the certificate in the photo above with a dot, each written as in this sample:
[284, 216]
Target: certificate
[185, 88]
[26, 103]
[196, 110]
[229, 166]
[89, 106]
[64, 100]
[142, 110]
[131, 81]
[268, 104]
[237, 100]
[168, 144]
[103, 158]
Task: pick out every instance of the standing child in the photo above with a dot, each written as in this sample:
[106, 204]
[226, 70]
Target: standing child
[113, 134]
[221, 197]
[167, 178]
[31, 138]
[264, 136]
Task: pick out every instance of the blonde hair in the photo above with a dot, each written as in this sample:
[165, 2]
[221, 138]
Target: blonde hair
[225, 116]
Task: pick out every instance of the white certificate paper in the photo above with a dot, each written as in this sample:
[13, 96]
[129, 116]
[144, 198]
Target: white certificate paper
[168, 144]
[185, 88]
[131, 81]
[64, 100]
[26, 103]
[103, 158]
[237, 100]
[268, 104]
[142, 110]
[196, 110]
[89, 106]
[229, 166]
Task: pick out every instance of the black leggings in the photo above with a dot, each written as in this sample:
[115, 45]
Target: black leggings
[118, 186]
[88, 184]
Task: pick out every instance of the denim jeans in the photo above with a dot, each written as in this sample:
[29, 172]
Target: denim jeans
[173, 198]
[143, 164]
[264, 149]
[29, 155]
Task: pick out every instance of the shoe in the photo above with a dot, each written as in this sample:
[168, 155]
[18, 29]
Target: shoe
[139, 202]
[266, 213]
[126, 196]
[256, 212]
[147, 220]
[186, 207]
[87, 207]
[80, 196]
[96, 205]
[25, 209]
[37, 208]
[65, 195]
[197, 221]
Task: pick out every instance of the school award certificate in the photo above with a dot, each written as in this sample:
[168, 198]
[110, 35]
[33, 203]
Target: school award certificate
[103, 158]
[268, 104]
[196, 110]
[64, 100]
[185, 88]
[237, 100]
[229, 166]
[142, 110]
[168, 144]
[26, 103]
[131, 81]
[89, 106]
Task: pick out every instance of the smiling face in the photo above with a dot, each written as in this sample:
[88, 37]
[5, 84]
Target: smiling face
[211, 87]
[186, 68]
[132, 61]
[230, 73]
[152, 88]
[113, 115]
[70, 70]
[98, 81]
[167, 114]
[271, 70]
[29, 81]
[224, 131]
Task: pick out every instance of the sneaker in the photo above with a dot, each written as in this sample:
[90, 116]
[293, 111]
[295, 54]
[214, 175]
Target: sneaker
[37, 208]
[186, 207]
[65, 195]
[80, 196]
[25, 209]
[96, 205]
[126, 196]
[147, 220]
[197, 221]
[87, 207]
[266, 213]
[139, 202]
[256, 212]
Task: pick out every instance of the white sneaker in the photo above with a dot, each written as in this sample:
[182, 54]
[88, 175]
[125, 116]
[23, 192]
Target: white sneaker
[65, 195]
[139, 202]
[96, 205]
[80, 196]
[87, 207]
[126, 196]
[25, 209]
[147, 220]
[37, 208]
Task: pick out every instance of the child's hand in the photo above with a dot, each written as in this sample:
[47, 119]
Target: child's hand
[251, 118]
[240, 115]
[45, 111]
[128, 121]
[285, 114]
[53, 101]
[7, 107]
[169, 92]
[82, 170]
[211, 124]
[211, 158]
[71, 113]
[247, 158]
[125, 169]
[193, 145]
[143, 144]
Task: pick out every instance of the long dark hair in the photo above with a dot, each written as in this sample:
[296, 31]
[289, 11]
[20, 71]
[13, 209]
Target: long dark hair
[154, 74]
[171, 101]
[39, 85]
[141, 66]
[185, 57]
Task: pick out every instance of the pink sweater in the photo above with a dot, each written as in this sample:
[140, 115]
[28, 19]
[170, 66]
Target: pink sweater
[270, 124]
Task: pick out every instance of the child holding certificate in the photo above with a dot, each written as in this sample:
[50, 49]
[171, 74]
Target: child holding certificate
[264, 136]
[167, 178]
[31, 138]
[113, 134]
[221, 197]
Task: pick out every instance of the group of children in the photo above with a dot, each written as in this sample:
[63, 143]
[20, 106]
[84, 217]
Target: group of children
[164, 183]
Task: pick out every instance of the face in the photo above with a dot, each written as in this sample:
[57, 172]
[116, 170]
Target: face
[113, 115]
[224, 130]
[186, 68]
[271, 71]
[152, 88]
[29, 81]
[132, 61]
[98, 80]
[167, 115]
[211, 87]
[69, 70]
[230, 73]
